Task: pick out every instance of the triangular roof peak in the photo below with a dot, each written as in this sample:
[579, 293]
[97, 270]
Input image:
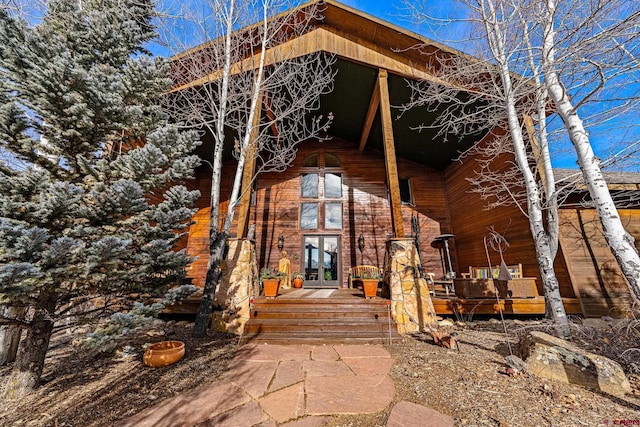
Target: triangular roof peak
[352, 35]
[372, 31]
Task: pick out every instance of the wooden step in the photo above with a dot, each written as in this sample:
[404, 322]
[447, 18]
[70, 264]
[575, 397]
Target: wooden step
[343, 318]
[344, 324]
[285, 338]
[278, 313]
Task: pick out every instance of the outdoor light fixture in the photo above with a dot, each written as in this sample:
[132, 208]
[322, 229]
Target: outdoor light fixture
[280, 242]
[361, 242]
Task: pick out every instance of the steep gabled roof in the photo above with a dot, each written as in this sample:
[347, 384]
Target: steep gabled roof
[364, 44]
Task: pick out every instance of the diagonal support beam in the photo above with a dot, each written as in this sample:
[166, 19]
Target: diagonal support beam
[535, 145]
[371, 114]
[271, 116]
[391, 164]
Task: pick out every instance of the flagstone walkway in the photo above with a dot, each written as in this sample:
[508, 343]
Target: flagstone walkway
[269, 385]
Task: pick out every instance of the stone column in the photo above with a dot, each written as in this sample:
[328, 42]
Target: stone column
[239, 282]
[411, 304]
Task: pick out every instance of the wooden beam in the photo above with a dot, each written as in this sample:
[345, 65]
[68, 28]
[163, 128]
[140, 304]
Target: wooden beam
[391, 165]
[271, 116]
[371, 114]
[322, 39]
[247, 174]
[535, 145]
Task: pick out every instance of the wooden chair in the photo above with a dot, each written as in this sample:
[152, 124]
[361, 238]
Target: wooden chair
[360, 271]
[515, 271]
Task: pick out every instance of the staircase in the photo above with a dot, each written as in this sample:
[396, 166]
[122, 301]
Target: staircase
[309, 316]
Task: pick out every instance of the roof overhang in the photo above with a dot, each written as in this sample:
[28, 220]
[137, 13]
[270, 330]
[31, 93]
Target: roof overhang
[363, 45]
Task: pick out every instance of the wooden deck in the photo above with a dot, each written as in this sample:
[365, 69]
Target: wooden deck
[443, 304]
[489, 306]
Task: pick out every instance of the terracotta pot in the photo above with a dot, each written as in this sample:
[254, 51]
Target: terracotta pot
[297, 282]
[370, 287]
[163, 353]
[271, 287]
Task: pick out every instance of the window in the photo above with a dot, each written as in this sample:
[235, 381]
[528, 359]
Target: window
[331, 161]
[325, 212]
[333, 216]
[309, 185]
[405, 192]
[309, 215]
[332, 185]
[311, 161]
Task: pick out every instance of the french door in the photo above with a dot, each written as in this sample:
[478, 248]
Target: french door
[321, 261]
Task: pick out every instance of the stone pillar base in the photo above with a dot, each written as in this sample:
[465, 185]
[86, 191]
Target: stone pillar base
[411, 305]
[238, 284]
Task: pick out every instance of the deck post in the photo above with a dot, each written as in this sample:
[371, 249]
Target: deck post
[391, 164]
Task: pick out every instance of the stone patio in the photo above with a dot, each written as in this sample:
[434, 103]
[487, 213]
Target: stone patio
[269, 385]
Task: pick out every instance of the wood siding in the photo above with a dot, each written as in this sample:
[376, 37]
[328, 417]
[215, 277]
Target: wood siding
[366, 208]
[596, 276]
[443, 203]
[471, 222]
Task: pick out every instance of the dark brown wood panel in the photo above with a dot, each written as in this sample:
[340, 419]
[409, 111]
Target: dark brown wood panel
[595, 273]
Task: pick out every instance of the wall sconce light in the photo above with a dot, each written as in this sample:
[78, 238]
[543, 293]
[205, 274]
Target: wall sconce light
[361, 242]
[280, 242]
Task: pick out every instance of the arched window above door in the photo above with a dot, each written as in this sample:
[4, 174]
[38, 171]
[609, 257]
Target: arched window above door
[311, 161]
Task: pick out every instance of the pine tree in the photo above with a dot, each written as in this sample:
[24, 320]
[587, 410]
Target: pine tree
[98, 209]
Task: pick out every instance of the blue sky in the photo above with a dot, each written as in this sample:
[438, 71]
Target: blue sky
[606, 139]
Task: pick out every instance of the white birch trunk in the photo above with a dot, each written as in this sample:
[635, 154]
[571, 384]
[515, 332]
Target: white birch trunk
[217, 240]
[253, 111]
[620, 242]
[545, 250]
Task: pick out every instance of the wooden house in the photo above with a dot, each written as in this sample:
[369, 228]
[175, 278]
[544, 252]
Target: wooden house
[345, 201]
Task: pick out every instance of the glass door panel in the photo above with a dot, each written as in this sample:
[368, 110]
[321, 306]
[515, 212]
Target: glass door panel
[321, 261]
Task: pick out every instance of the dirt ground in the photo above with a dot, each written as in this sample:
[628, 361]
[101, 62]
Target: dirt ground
[81, 389]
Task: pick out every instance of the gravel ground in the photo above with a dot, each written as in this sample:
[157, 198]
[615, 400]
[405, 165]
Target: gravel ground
[81, 389]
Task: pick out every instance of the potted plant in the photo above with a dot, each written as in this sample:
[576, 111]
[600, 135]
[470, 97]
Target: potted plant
[298, 279]
[270, 282]
[370, 283]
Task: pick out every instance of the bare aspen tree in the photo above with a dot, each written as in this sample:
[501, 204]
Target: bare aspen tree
[483, 95]
[604, 37]
[250, 62]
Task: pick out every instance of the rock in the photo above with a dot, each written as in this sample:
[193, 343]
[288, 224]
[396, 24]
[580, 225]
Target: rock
[515, 363]
[494, 321]
[558, 360]
[446, 322]
[411, 414]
